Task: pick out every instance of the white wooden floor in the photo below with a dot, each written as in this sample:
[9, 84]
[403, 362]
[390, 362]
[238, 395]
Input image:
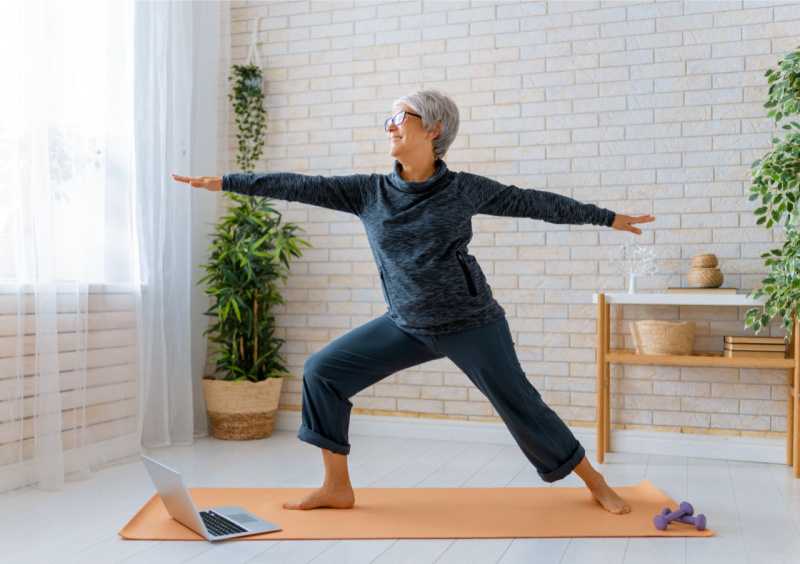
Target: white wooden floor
[754, 508]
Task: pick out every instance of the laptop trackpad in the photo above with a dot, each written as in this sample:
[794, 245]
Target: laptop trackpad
[241, 518]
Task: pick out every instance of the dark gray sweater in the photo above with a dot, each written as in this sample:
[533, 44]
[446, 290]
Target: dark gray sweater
[419, 232]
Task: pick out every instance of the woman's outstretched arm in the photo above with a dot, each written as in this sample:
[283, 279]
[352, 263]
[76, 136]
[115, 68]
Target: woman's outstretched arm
[348, 193]
[493, 198]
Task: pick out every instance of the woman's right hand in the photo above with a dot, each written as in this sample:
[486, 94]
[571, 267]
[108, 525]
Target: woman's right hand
[212, 183]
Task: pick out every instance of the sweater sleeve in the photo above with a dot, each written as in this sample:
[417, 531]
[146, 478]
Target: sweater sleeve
[348, 193]
[493, 198]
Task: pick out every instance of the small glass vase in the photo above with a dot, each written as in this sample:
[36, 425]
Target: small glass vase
[632, 285]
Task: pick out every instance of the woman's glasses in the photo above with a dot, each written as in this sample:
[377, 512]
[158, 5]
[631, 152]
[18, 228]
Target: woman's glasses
[398, 118]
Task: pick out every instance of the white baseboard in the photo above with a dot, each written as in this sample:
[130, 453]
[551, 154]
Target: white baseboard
[746, 449]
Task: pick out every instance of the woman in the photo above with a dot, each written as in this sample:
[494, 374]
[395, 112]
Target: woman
[418, 222]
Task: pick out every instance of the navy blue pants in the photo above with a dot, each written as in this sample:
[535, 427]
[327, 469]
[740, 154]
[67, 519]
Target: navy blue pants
[486, 354]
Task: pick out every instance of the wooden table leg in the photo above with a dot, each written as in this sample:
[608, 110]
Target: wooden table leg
[789, 415]
[790, 402]
[607, 380]
[601, 361]
[795, 422]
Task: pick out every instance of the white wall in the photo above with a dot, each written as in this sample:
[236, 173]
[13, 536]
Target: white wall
[639, 107]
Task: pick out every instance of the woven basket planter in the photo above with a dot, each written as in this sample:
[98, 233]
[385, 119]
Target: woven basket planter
[657, 337]
[704, 277]
[705, 261]
[242, 411]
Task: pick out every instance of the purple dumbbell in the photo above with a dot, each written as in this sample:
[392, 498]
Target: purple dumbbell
[663, 519]
[699, 521]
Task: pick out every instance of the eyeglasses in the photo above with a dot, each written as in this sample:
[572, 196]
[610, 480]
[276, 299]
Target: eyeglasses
[398, 118]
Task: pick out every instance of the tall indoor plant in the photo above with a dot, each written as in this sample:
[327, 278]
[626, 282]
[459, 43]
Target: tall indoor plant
[250, 252]
[775, 181]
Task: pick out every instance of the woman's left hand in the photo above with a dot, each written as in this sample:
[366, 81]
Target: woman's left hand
[625, 222]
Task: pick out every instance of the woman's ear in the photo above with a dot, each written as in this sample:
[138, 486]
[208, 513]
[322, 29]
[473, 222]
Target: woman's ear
[437, 131]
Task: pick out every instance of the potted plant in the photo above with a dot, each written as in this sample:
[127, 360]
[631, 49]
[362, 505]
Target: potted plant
[250, 252]
[775, 181]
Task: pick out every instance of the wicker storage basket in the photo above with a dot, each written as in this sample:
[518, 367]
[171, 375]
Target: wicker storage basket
[704, 277]
[242, 411]
[708, 260]
[657, 337]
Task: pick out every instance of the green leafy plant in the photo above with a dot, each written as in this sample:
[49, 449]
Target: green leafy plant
[775, 181]
[250, 252]
[248, 104]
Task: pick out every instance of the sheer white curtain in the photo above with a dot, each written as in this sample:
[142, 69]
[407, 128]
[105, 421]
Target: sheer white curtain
[100, 324]
[177, 50]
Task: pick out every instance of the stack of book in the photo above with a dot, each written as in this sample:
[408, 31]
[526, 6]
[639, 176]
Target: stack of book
[675, 290]
[760, 347]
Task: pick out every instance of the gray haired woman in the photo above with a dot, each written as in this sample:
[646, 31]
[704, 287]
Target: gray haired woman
[418, 223]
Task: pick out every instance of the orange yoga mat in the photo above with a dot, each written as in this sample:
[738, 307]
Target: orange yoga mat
[429, 513]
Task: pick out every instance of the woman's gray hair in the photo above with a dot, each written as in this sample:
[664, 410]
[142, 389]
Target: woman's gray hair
[434, 106]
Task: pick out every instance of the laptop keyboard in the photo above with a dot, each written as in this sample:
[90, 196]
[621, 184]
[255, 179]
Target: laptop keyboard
[218, 525]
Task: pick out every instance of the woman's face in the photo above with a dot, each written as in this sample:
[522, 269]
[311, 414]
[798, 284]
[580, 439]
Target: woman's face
[409, 141]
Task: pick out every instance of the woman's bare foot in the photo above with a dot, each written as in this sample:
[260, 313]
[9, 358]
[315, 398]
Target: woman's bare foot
[609, 499]
[601, 492]
[336, 490]
[326, 496]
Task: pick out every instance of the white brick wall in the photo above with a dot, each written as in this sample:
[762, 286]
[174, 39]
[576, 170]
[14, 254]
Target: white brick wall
[640, 107]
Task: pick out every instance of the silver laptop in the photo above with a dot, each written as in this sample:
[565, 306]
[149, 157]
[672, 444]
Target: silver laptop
[218, 523]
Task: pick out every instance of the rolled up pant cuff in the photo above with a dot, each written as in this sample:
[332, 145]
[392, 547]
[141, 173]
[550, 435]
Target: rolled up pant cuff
[564, 470]
[307, 435]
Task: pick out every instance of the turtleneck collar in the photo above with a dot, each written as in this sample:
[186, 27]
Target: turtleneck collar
[417, 187]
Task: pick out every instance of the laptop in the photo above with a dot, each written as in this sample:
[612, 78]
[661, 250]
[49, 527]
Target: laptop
[218, 523]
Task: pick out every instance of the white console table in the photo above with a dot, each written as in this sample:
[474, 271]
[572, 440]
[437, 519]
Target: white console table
[605, 356]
